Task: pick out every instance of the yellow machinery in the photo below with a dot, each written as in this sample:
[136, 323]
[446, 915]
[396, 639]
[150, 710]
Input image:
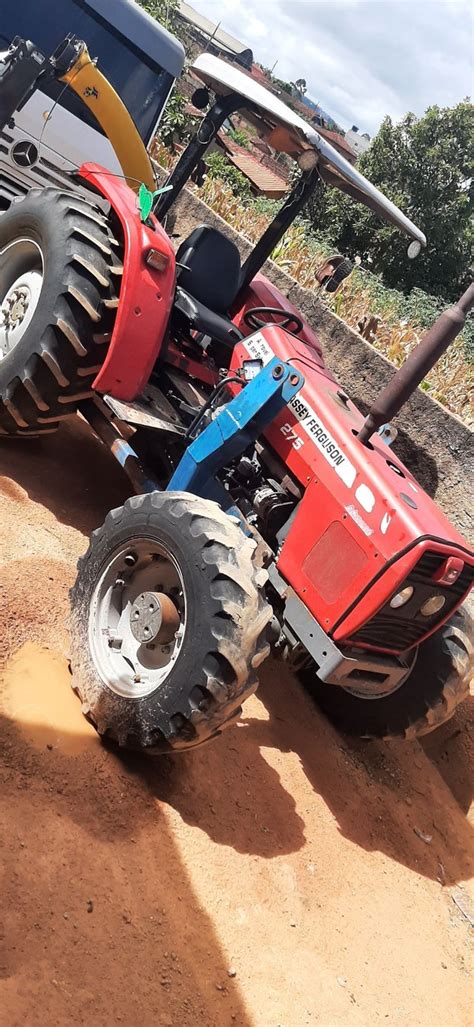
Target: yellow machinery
[100, 97]
[23, 69]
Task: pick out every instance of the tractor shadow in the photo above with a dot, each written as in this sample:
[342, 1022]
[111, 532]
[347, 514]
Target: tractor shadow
[96, 899]
[451, 751]
[70, 472]
[227, 789]
[383, 796]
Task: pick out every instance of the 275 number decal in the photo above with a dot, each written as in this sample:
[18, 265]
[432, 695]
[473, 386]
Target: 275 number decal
[288, 431]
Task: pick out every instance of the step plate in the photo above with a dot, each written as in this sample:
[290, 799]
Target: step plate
[150, 410]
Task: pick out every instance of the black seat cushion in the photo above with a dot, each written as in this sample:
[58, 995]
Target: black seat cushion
[201, 319]
[209, 268]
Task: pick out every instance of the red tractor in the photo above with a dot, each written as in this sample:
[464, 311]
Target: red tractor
[269, 513]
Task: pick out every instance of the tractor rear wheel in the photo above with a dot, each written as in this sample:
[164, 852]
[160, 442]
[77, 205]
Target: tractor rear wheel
[58, 296]
[168, 622]
[437, 683]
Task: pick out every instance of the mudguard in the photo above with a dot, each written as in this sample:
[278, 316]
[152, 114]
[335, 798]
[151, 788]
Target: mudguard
[146, 294]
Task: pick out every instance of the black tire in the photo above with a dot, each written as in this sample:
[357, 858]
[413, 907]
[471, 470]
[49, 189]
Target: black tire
[225, 635]
[428, 698]
[342, 271]
[52, 366]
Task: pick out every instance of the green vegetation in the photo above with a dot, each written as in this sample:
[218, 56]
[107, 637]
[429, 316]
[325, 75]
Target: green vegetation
[165, 11]
[240, 137]
[220, 167]
[425, 166]
[176, 127]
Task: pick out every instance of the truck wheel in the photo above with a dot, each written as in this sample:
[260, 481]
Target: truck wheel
[428, 697]
[57, 304]
[168, 622]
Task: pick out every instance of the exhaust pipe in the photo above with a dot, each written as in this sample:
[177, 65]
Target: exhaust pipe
[433, 344]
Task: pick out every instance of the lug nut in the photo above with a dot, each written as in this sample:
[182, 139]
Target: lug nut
[131, 559]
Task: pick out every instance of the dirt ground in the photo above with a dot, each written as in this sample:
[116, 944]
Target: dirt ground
[281, 876]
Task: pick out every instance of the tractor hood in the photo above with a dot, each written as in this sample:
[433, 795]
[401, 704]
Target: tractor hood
[284, 130]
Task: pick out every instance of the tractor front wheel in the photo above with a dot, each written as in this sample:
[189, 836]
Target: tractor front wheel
[438, 681]
[168, 622]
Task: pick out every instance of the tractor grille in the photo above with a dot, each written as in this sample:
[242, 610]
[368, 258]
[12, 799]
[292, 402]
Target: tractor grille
[401, 629]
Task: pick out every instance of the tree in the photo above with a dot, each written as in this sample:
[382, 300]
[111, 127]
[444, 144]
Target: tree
[300, 86]
[281, 84]
[176, 126]
[425, 166]
[165, 11]
[220, 167]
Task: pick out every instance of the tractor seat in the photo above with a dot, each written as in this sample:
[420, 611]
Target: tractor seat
[208, 281]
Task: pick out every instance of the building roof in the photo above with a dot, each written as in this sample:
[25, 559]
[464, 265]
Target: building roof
[258, 73]
[335, 138]
[211, 28]
[263, 179]
[338, 141]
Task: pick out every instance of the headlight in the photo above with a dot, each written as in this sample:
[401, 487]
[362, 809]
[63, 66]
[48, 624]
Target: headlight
[401, 597]
[433, 605]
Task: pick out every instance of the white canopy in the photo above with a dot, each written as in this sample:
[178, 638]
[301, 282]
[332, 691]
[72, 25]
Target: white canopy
[272, 115]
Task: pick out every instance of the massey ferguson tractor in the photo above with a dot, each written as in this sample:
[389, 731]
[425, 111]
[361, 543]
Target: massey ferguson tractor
[268, 514]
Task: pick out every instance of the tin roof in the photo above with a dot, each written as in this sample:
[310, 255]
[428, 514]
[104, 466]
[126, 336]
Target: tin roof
[264, 179]
[211, 28]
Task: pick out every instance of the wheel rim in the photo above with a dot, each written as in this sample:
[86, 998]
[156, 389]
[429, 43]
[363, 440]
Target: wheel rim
[137, 619]
[21, 283]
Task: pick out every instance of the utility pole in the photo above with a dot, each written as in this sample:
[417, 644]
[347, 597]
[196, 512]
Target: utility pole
[212, 37]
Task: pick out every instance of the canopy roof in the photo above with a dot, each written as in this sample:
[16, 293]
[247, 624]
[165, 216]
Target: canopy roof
[286, 131]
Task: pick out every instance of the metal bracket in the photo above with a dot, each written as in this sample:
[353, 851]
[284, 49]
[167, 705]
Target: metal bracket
[150, 410]
[353, 669]
[235, 426]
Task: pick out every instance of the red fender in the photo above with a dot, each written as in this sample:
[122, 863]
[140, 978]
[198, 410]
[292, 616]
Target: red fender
[146, 295]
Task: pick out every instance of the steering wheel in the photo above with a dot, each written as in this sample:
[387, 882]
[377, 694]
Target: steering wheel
[258, 317]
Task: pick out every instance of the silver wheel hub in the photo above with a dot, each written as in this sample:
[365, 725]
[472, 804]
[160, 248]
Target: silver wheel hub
[154, 617]
[137, 619]
[15, 306]
[21, 283]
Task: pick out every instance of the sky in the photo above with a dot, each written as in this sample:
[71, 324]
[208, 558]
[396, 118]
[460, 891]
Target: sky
[362, 59]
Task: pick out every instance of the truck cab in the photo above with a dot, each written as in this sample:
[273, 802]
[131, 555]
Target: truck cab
[53, 133]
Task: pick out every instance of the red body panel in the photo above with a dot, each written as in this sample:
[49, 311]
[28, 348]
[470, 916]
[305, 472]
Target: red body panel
[365, 498]
[262, 293]
[146, 295]
[198, 370]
